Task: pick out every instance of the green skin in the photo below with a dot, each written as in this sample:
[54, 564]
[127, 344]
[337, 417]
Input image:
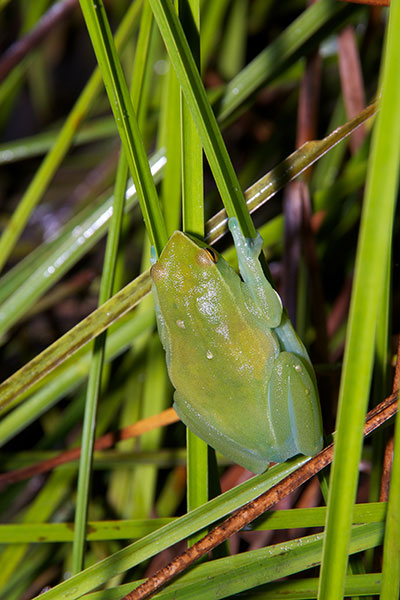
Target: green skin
[243, 379]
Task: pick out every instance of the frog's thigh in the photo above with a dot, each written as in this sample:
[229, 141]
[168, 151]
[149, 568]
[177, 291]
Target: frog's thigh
[250, 458]
[293, 409]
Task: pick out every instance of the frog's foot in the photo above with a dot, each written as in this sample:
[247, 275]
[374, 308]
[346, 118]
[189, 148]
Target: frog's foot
[263, 300]
[294, 412]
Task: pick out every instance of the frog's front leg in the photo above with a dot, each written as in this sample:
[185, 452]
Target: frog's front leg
[263, 296]
[293, 409]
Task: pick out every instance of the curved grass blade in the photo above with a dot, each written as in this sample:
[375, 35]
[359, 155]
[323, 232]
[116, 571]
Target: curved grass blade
[33, 276]
[302, 158]
[130, 331]
[78, 336]
[203, 116]
[128, 529]
[372, 254]
[63, 142]
[282, 52]
[41, 143]
[121, 105]
[186, 525]
[289, 589]
[242, 572]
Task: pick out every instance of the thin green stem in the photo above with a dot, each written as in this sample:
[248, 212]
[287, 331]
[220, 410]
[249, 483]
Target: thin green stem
[121, 105]
[370, 273]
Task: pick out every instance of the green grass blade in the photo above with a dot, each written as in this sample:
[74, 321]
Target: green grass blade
[32, 277]
[170, 139]
[96, 370]
[391, 548]
[274, 59]
[289, 589]
[193, 222]
[53, 159]
[211, 26]
[41, 143]
[154, 399]
[203, 116]
[163, 538]
[127, 529]
[75, 338]
[239, 573]
[232, 53]
[129, 331]
[247, 570]
[121, 105]
[372, 253]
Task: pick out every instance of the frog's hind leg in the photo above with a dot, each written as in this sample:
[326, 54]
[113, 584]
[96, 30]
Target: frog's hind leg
[294, 412]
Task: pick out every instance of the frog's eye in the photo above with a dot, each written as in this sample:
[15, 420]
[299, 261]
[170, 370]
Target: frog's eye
[212, 254]
[206, 257]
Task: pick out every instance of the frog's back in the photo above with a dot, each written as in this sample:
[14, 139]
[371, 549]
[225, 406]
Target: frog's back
[220, 380]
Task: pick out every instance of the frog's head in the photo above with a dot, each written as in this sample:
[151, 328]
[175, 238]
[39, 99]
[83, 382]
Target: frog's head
[183, 264]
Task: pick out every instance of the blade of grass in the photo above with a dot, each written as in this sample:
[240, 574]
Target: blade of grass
[53, 159]
[41, 269]
[233, 48]
[282, 52]
[106, 288]
[227, 576]
[203, 116]
[373, 512]
[121, 105]
[135, 553]
[75, 338]
[193, 222]
[211, 26]
[374, 237]
[155, 397]
[36, 145]
[96, 369]
[391, 548]
[171, 140]
[289, 589]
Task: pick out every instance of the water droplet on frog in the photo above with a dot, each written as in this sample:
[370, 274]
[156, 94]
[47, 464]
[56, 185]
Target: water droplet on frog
[209, 354]
[180, 324]
[298, 368]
